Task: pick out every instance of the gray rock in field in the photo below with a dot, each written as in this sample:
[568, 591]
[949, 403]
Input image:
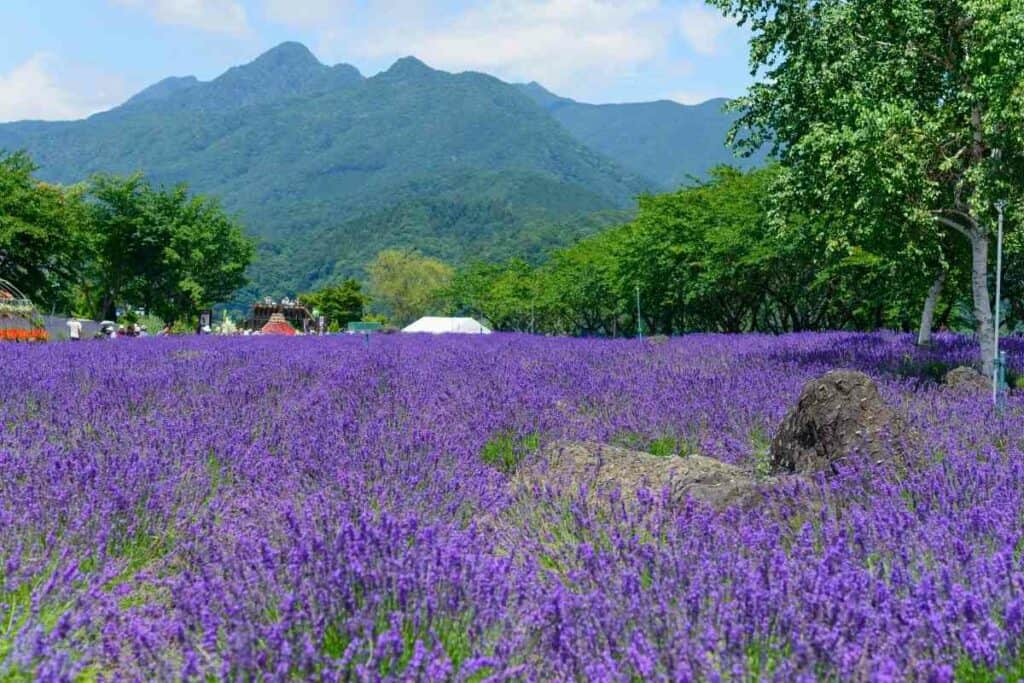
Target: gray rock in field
[603, 469]
[967, 379]
[838, 414]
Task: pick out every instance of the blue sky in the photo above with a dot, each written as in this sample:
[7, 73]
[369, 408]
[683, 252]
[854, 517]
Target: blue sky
[62, 59]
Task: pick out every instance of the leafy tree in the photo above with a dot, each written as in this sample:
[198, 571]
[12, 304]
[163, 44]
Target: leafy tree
[407, 284]
[907, 116]
[205, 259]
[340, 304]
[717, 256]
[163, 250]
[505, 294]
[43, 245]
[128, 240]
[583, 294]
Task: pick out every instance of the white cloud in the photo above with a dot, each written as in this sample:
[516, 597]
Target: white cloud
[43, 87]
[303, 13]
[701, 27]
[558, 42]
[217, 16]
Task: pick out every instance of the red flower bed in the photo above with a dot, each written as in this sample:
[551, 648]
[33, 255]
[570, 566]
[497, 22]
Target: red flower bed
[22, 335]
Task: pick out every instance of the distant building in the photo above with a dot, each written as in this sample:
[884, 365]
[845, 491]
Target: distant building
[277, 325]
[292, 312]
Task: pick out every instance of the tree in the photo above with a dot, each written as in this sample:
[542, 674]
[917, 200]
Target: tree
[205, 260]
[43, 246]
[407, 284]
[340, 304]
[504, 294]
[163, 250]
[907, 116]
[581, 288]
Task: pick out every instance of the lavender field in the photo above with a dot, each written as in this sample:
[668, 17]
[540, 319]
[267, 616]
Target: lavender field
[295, 509]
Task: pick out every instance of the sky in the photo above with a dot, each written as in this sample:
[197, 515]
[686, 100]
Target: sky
[66, 59]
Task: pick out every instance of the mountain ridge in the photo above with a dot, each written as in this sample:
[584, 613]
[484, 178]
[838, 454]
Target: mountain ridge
[300, 150]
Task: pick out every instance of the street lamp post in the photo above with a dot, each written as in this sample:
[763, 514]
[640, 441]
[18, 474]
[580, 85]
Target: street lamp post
[997, 376]
[639, 325]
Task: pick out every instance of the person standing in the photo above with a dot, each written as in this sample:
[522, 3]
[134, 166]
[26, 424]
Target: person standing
[74, 330]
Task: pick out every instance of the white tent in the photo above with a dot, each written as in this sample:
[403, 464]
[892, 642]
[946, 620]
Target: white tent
[435, 325]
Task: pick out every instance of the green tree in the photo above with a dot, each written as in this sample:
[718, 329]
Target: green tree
[163, 250]
[907, 116]
[205, 259]
[505, 294]
[720, 256]
[43, 244]
[408, 285]
[340, 303]
[582, 292]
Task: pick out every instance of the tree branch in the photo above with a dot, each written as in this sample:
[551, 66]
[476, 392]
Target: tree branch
[950, 223]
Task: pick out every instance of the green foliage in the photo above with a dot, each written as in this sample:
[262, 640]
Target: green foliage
[43, 240]
[664, 447]
[902, 119]
[503, 294]
[719, 256]
[505, 450]
[117, 242]
[408, 285]
[340, 304]
[162, 250]
[970, 672]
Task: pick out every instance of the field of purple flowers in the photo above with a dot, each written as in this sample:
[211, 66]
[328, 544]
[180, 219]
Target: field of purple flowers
[293, 509]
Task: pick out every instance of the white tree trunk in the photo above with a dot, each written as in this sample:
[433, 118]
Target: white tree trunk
[924, 334]
[982, 302]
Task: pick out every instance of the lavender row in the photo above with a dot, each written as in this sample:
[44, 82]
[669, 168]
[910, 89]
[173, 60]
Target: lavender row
[316, 508]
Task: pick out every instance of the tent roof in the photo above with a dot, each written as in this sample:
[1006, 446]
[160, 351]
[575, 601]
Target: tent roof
[278, 325]
[438, 325]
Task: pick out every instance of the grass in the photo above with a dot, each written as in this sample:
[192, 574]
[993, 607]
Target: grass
[667, 445]
[967, 671]
[451, 632]
[761, 451]
[507, 449]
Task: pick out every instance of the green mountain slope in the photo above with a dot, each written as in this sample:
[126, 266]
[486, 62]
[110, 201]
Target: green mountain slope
[664, 141]
[327, 167]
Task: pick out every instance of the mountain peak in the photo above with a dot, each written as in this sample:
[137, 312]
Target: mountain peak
[288, 55]
[409, 66]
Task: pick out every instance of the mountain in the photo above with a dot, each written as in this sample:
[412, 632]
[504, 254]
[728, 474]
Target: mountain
[665, 141]
[325, 166]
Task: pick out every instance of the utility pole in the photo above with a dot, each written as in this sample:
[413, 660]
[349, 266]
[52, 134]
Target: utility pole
[639, 325]
[999, 371]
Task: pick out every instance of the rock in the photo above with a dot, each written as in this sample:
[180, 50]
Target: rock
[603, 469]
[967, 379]
[838, 414]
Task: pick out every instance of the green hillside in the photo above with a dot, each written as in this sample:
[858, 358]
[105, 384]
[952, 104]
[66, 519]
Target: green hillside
[665, 141]
[326, 167]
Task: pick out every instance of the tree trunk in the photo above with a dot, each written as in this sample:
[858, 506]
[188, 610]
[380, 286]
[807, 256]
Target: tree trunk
[108, 308]
[924, 334]
[982, 303]
[947, 313]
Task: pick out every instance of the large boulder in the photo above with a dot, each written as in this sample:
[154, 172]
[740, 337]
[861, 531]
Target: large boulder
[603, 469]
[838, 414]
[968, 379]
